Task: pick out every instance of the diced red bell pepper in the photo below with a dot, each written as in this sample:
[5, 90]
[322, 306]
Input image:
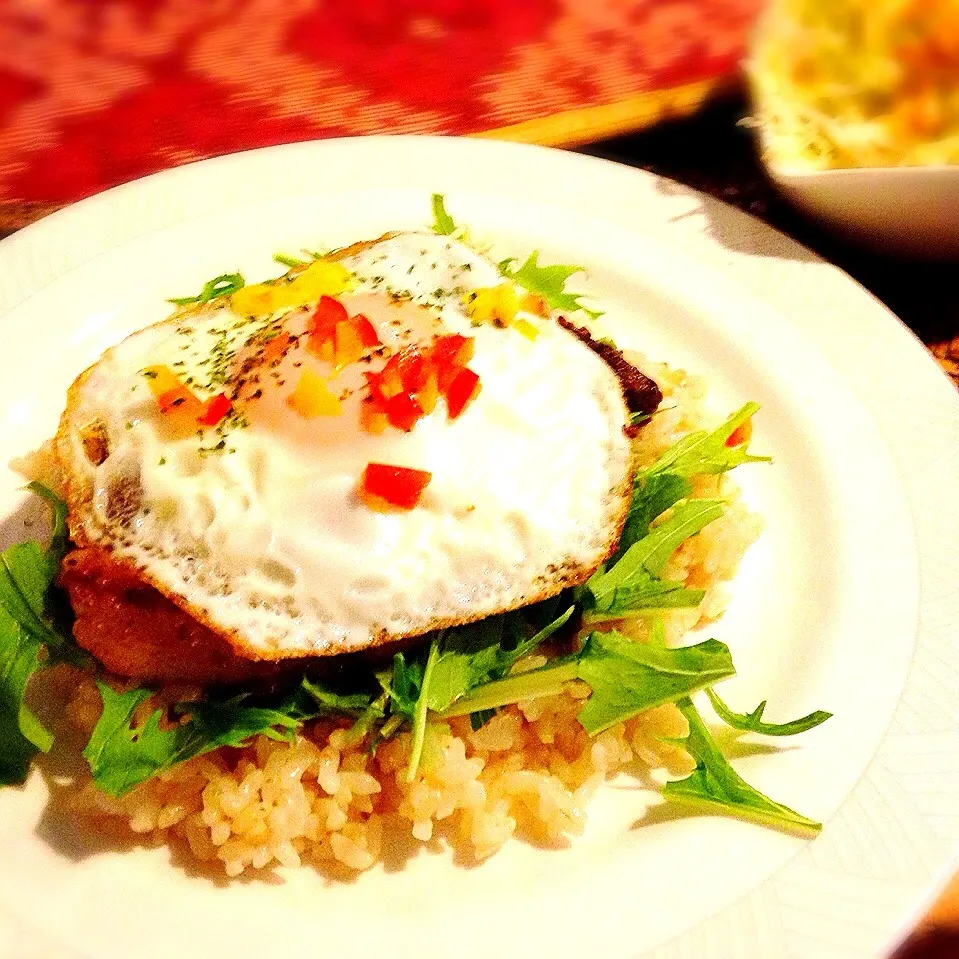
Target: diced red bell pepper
[337, 337]
[742, 434]
[214, 409]
[402, 411]
[181, 402]
[366, 330]
[428, 393]
[452, 350]
[348, 346]
[329, 311]
[411, 380]
[397, 486]
[388, 381]
[464, 388]
[411, 365]
[322, 329]
[276, 348]
[171, 399]
[373, 381]
[450, 354]
[176, 400]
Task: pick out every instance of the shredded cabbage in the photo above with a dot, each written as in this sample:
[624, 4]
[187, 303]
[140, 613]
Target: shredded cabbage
[855, 83]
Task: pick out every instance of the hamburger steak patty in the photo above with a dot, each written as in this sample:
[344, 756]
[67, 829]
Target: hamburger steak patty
[642, 393]
[135, 631]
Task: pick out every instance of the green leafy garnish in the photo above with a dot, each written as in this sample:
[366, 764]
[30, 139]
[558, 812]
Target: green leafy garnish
[457, 663]
[459, 660]
[628, 678]
[629, 584]
[223, 285]
[59, 536]
[421, 707]
[29, 640]
[625, 677]
[285, 260]
[510, 656]
[121, 755]
[21, 733]
[330, 702]
[405, 683]
[365, 724]
[645, 594]
[465, 658]
[633, 580]
[472, 655]
[652, 496]
[549, 282]
[715, 785]
[442, 221]
[704, 452]
[753, 722]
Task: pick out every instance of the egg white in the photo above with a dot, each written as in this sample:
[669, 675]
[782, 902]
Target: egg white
[258, 528]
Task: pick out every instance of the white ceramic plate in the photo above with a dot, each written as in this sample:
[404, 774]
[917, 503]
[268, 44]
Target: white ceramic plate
[847, 602]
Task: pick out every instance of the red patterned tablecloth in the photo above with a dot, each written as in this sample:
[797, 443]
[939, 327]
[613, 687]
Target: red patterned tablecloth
[98, 92]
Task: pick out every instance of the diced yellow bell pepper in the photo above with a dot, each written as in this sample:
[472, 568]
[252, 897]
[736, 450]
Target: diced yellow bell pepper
[161, 379]
[286, 295]
[526, 328]
[493, 304]
[312, 397]
[371, 419]
[321, 278]
[259, 299]
[175, 400]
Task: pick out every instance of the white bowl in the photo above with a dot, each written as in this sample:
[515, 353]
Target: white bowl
[904, 210]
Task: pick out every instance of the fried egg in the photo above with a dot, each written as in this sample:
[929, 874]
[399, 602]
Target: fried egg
[257, 525]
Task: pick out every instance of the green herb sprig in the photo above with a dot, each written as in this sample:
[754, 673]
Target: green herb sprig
[442, 222]
[224, 285]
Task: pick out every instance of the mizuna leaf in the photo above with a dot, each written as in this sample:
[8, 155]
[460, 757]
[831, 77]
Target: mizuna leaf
[716, 786]
[442, 221]
[549, 282]
[753, 722]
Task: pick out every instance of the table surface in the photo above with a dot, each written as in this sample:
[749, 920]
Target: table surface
[713, 152]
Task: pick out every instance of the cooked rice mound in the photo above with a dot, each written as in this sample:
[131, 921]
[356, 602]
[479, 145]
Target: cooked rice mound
[530, 771]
